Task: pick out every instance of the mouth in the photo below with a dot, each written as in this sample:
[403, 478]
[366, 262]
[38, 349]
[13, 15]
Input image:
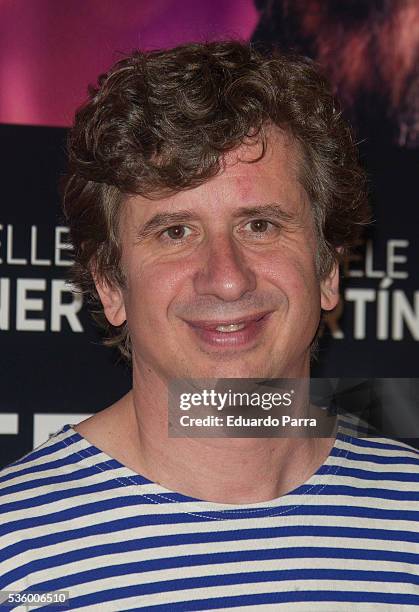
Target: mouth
[232, 333]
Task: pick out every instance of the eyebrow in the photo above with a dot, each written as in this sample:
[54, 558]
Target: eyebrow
[165, 219]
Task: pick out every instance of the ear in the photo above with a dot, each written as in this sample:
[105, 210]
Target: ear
[112, 302]
[329, 288]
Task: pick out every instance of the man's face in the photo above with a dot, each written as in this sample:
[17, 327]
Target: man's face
[221, 279]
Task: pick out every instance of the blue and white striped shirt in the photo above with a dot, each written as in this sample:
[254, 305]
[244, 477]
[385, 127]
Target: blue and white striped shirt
[72, 518]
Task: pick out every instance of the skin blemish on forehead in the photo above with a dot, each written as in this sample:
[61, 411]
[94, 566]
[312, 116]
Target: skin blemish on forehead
[281, 149]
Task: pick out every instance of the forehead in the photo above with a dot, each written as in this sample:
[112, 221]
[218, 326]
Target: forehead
[280, 162]
[246, 178]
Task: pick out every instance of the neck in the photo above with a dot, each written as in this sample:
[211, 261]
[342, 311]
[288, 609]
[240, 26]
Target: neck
[224, 470]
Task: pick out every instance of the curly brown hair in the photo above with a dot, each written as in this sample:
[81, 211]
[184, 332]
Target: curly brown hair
[161, 122]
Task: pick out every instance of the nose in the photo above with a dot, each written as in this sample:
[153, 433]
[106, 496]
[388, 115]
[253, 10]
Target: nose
[224, 272]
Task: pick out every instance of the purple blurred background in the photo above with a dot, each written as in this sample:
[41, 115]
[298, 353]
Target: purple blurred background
[51, 50]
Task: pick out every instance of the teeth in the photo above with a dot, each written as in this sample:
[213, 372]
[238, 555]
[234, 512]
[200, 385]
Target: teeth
[230, 328]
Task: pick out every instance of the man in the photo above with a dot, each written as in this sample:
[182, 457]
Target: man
[210, 193]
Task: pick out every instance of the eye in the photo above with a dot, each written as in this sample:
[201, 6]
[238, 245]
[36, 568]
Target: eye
[261, 226]
[176, 232]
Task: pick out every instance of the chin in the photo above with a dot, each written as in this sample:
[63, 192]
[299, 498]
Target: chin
[224, 369]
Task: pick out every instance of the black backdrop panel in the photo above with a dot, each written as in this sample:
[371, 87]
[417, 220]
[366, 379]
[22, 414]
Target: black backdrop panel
[51, 360]
[52, 365]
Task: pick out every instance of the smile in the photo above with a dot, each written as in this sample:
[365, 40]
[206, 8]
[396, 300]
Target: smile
[232, 327]
[238, 333]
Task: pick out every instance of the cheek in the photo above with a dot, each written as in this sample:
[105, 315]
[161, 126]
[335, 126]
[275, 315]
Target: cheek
[294, 273]
[152, 288]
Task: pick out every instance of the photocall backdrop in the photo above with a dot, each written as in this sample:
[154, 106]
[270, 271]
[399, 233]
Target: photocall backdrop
[53, 369]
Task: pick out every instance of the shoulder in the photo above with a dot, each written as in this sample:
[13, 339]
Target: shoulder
[382, 449]
[380, 463]
[38, 470]
[47, 496]
[363, 443]
[26, 488]
[42, 476]
[54, 449]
